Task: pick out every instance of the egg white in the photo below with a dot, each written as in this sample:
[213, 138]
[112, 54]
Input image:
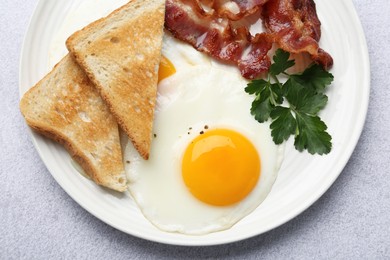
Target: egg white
[182, 55]
[187, 101]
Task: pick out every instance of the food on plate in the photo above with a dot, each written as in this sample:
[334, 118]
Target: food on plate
[196, 160]
[212, 34]
[293, 106]
[65, 107]
[165, 69]
[221, 30]
[296, 28]
[211, 162]
[120, 54]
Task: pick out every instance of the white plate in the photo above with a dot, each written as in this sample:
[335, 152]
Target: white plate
[302, 179]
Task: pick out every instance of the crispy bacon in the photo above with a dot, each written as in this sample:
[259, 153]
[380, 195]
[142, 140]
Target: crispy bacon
[209, 33]
[246, 7]
[296, 28]
[203, 32]
[208, 26]
[232, 9]
[256, 61]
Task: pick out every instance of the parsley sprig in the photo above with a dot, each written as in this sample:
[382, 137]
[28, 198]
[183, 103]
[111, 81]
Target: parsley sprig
[293, 105]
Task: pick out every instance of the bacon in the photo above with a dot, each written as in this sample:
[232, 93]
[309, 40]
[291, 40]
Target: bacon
[209, 26]
[296, 28]
[232, 9]
[248, 6]
[209, 33]
[256, 61]
[203, 32]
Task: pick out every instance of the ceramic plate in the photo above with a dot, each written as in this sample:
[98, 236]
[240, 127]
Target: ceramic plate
[302, 179]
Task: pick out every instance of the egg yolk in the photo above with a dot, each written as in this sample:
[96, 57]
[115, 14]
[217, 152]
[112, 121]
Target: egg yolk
[220, 167]
[166, 69]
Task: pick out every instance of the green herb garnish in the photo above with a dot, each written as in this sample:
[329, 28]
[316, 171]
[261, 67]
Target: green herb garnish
[293, 105]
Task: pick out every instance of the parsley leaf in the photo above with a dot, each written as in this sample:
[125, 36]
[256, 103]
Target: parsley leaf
[261, 109]
[304, 100]
[255, 86]
[293, 106]
[281, 62]
[284, 124]
[267, 96]
[312, 135]
[315, 78]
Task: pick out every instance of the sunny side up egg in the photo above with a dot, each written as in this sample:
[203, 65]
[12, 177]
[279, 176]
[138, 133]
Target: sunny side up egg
[211, 163]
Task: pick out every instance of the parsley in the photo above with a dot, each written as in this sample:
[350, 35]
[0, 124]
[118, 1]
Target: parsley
[293, 106]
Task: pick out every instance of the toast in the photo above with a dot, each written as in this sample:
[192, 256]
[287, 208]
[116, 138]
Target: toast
[121, 54]
[66, 107]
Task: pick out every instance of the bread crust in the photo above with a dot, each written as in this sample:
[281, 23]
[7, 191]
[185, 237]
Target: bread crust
[65, 107]
[121, 54]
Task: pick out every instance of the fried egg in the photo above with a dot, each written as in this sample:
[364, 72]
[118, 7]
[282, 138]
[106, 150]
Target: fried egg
[211, 162]
[202, 112]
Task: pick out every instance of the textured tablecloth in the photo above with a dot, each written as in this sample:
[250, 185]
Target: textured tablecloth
[38, 220]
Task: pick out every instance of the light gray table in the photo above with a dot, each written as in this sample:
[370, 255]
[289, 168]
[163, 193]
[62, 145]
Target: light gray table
[38, 220]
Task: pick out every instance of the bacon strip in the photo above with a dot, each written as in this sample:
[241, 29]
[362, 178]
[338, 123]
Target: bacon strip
[203, 32]
[209, 33]
[232, 9]
[248, 6]
[256, 61]
[208, 26]
[296, 28]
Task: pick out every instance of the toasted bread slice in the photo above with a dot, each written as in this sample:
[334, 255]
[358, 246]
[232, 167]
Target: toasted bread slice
[120, 54]
[66, 107]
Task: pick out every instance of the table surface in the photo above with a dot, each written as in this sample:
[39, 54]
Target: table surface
[38, 220]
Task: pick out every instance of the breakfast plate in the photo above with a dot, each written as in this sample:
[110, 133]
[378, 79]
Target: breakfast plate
[302, 179]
